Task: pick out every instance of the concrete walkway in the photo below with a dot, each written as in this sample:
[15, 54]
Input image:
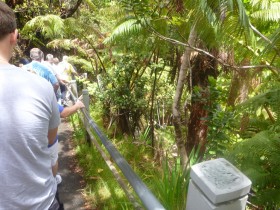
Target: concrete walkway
[71, 188]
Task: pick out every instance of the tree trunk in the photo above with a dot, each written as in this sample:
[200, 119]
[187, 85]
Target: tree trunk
[245, 80]
[197, 127]
[239, 92]
[13, 3]
[185, 65]
[123, 122]
[152, 110]
[234, 89]
[68, 13]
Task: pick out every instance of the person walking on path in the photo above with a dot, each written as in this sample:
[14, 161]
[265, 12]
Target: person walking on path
[37, 67]
[49, 62]
[64, 112]
[29, 122]
[67, 73]
[62, 82]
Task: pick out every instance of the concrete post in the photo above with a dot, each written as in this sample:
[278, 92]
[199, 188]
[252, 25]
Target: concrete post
[217, 185]
[86, 99]
[74, 88]
[86, 103]
[85, 77]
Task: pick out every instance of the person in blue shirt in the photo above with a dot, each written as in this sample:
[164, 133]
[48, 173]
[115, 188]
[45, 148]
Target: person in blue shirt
[64, 112]
[41, 70]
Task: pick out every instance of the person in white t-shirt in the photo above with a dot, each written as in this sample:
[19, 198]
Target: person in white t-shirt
[67, 73]
[49, 62]
[29, 122]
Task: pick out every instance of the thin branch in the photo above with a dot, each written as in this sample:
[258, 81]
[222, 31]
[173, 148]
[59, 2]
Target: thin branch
[264, 38]
[68, 13]
[269, 114]
[96, 52]
[173, 41]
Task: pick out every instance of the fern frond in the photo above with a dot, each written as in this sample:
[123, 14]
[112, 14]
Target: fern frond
[91, 5]
[125, 29]
[269, 14]
[220, 16]
[60, 43]
[271, 97]
[261, 4]
[51, 26]
[84, 64]
[258, 158]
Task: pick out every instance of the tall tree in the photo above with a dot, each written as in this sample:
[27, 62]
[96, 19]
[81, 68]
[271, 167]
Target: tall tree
[176, 108]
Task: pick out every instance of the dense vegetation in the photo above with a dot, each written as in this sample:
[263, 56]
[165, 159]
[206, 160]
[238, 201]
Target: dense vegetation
[174, 76]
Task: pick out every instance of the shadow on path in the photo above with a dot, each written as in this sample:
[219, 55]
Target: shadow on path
[71, 188]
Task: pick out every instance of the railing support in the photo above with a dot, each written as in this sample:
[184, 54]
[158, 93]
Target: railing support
[85, 77]
[217, 185]
[73, 87]
[86, 103]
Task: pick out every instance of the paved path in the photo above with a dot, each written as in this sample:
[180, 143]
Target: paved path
[71, 188]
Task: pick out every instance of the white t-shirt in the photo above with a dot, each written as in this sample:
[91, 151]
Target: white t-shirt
[28, 109]
[65, 70]
[50, 67]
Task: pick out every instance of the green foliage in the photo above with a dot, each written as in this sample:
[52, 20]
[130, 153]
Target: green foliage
[260, 164]
[220, 119]
[266, 10]
[127, 29]
[101, 187]
[124, 90]
[51, 26]
[269, 100]
[263, 142]
[173, 185]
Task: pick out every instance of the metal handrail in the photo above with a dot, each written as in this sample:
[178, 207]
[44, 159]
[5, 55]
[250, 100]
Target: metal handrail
[146, 196]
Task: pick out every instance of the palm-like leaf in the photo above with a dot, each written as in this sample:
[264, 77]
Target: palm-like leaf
[261, 166]
[270, 99]
[125, 29]
[51, 26]
[272, 13]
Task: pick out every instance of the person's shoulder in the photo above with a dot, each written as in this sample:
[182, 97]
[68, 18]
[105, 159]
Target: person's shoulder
[31, 78]
[14, 69]
[41, 84]
[41, 65]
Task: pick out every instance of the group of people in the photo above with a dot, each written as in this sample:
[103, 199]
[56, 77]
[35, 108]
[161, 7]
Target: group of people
[58, 73]
[30, 115]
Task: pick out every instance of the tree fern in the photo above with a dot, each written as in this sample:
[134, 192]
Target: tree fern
[258, 158]
[271, 13]
[51, 26]
[125, 29]
[260, 164]
[83, 64]
[270, 99]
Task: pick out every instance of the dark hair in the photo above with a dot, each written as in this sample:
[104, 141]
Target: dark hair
[7, 20]
[24, 61]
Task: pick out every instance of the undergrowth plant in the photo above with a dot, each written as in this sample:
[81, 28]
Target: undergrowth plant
[102, 190]
[258, 158]
[169, 183]
[258, 155]
[172, 187]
